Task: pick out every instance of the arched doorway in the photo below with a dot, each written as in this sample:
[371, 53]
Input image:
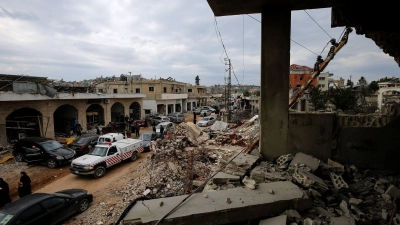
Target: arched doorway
[65, 118]
[25, 122]
[94, 116]
[117, 112]
[134, 111]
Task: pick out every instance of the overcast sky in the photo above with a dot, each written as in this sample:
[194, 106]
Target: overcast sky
[77, 40]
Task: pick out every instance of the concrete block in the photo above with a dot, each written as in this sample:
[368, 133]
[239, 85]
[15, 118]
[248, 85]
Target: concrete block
[393, 191]
[245, 204]
[308, 180]
[283, 160]
[343, 220]
[224, 178]
[338, 182]
[308, 160]
[279, 220]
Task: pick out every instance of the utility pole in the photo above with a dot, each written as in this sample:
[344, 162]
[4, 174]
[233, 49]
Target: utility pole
[229, 87]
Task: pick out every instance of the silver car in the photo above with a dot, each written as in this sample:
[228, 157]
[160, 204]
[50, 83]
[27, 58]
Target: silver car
[176, 117]
[160, 119]
[207, 121]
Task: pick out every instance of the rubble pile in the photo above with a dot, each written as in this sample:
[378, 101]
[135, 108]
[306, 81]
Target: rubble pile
[341, 194]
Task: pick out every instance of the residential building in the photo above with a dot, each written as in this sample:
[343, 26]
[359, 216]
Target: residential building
[323, 80]
[299, 75]
[161, 95]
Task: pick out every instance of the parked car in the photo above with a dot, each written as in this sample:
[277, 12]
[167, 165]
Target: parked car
[176, 117]
[197, 111]
[209, 108]
[141, 123]
[82, 143]
[167, 126]
[206, 111]
[147, 138]
[44, 208]
[206, 121]
[160, 119]
[42, 150]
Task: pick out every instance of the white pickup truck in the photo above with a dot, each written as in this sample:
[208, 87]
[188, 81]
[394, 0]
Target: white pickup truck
[105, 155]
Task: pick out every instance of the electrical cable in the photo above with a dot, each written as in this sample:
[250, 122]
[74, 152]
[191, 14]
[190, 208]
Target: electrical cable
[318, 24]
[290, 39]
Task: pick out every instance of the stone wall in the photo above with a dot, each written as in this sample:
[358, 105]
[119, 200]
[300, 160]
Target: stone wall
[311, 133]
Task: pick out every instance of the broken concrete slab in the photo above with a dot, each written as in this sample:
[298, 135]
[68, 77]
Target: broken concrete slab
[224, 178]
[219, 126]
[240, 165]
[393, 191]
[245, 204]
[308, 160]
[260, 174]
[279, 220]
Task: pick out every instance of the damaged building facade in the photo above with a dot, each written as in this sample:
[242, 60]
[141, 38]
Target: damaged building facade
[37, 106]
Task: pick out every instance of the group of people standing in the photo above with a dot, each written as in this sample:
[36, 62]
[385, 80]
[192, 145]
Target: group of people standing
[24, 188]
[135, 128]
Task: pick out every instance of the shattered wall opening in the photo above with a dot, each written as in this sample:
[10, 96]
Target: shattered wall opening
[134, 111]
[25, 122]
[94, 115]
[65, 118]
[117, 112]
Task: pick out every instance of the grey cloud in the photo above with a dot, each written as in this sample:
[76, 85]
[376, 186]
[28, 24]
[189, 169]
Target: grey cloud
[16, 15]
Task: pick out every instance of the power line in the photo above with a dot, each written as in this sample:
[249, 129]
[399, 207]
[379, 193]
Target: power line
[290, 39]
[243, 51]
[318, 24]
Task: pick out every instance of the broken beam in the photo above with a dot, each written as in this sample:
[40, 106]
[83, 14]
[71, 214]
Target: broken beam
[221, 207]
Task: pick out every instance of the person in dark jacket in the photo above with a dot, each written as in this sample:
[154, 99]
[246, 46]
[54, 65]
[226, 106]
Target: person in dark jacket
[137, 129]
[161, 131]
[4, 193]
[24, 185]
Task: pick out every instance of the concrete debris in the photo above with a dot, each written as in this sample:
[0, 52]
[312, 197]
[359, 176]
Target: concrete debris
[308, 160]
[300, 188]
[338, 182]
[223, 205]
[279, 220]
[219, 126]
[224, 178]
[284, 160]
[240, 165]
[393, 191]
[251, 184]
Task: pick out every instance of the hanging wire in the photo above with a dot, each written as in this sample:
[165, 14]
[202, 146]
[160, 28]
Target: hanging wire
[290, 39]
[243, 51]
[318, 24]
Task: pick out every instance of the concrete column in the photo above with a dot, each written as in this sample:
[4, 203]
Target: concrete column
[82, 116]
[174, 107]
[275, 63]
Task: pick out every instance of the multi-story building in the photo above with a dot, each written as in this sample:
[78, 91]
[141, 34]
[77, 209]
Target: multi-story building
[299, 75]
[323, 80]
[161, 95]
[30, 104]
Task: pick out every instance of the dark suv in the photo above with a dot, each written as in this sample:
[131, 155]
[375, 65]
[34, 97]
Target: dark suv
[42, 150]
[82, 143]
